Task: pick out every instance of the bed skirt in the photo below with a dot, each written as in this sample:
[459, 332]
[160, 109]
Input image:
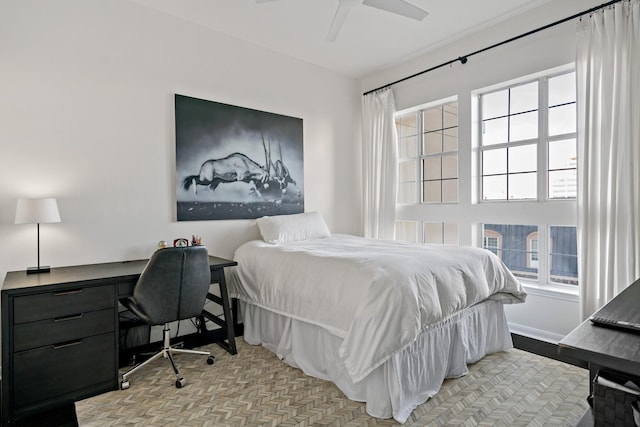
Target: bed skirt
[408, 378]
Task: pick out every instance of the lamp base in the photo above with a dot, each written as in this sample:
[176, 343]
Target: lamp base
[39, 269]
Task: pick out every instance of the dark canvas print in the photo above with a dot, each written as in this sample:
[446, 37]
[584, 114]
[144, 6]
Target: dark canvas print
[236, 163]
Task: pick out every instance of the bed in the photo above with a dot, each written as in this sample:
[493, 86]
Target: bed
[386, 321]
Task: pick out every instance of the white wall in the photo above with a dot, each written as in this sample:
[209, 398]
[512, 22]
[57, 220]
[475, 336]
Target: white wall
[544, 315]
[86, 115]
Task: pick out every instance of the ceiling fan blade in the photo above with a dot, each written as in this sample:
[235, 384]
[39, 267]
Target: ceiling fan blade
[399, 7]
[338, 19]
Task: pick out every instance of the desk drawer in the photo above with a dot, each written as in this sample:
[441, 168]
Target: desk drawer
[48, 372]
[61, 329]
[50, 305]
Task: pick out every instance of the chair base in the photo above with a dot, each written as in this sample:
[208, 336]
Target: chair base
[167, 352]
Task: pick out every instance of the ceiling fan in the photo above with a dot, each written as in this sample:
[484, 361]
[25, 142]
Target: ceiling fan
[399, 7]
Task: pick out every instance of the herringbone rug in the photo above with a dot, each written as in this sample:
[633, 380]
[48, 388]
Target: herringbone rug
[254, 388]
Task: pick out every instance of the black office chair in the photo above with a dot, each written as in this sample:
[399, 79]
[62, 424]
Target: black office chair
[173, 286]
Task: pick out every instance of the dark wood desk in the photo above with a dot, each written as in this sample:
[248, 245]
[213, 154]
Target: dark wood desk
[604, 347]
[60, 332]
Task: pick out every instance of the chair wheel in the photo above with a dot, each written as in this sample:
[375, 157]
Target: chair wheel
[124, 384]
[210, 360]
[180, 382]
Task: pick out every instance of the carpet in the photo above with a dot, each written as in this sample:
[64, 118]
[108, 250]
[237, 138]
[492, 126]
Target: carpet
[255, 388]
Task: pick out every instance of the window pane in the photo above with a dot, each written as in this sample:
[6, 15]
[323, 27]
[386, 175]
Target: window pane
[407, 171]
[431, 168]
[408, 147]
[522, 186]
[450, 233]
[523, 158]
[562, 169]
[431, 192]
[407, 125]
[432, 232]
[407, 230]
[563, 263]
[524, 98]
[450, 190]
[450, 166]
[562, 154]
[495, 104]
[562, 119]
[495, 131]
[439, 233]
[432, 143]
[433, 119]
[407, 192]
[494, 187]
[494, 161]
[524, 126]
[450, 115]
[563, 184]
[514, 247]
[451, 139]
[562, 89]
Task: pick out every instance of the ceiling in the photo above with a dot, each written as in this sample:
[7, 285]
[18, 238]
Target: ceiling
[369, 40]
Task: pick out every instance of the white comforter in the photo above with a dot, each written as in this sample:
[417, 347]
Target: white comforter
[377, 295]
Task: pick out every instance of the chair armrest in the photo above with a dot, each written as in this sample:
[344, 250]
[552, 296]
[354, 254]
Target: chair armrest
[133, 307]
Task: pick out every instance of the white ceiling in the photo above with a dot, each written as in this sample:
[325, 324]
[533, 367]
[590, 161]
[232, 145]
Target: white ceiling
[370, 39]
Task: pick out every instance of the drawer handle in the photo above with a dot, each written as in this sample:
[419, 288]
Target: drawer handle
[61, 294]
[70, 317]
[66, 344]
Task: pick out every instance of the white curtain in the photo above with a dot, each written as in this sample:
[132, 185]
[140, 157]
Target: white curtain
[380, 164]
[608, 83]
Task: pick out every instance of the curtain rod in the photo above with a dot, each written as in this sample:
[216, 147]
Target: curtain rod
[463, 59]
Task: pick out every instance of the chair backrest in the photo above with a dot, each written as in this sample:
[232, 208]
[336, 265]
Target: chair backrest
[174, 284]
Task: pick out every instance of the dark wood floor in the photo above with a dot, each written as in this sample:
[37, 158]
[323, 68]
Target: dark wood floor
[66, 417]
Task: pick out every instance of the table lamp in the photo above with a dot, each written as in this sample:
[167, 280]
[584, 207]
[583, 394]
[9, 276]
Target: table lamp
[36, 211]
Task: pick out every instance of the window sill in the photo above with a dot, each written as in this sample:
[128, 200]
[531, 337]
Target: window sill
[569, 293]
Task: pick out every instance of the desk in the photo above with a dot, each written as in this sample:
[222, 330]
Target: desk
[60, 340]
[603, 347]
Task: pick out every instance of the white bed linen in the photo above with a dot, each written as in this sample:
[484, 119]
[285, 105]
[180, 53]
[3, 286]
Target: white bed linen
[377, 296]
[405, 380]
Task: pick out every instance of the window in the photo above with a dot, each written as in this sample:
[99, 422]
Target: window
[407, 130]
[516, 133]
[492, 240]
[515, 247]
[430, 232]
[428, 169]
[440, 233]
[527, 163]
[563, 255]
[532, 244]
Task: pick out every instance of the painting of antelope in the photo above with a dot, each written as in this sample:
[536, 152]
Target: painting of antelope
[236, 163]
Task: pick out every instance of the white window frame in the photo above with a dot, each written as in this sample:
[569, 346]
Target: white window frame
[543, 210]
[426, 212]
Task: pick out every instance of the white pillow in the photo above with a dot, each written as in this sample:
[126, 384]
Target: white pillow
[292, 228]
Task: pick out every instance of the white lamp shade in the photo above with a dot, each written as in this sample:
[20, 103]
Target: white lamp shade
[37, 211]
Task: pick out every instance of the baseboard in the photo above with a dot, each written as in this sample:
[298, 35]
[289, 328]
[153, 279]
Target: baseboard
[534, 333]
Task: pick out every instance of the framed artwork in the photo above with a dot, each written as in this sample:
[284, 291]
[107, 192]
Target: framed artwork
[236, 163]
